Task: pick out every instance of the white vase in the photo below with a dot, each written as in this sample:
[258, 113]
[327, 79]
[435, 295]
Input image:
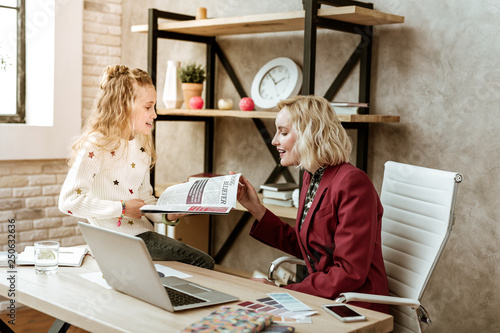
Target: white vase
[172, 92]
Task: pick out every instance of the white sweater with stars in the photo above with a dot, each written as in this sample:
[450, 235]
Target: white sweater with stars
[99, 180]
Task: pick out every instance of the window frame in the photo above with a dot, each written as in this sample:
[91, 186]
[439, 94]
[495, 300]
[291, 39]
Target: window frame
[54, 113]
[20, 116]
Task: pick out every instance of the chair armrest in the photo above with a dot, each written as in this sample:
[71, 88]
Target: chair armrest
[360, 297]
[420, 311]
[277, 262]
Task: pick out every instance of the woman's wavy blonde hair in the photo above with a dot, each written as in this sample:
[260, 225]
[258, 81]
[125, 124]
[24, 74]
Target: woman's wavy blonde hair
[112, 114]
[321, 138]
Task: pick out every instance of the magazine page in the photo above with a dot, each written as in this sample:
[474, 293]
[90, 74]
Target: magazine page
[216, 195]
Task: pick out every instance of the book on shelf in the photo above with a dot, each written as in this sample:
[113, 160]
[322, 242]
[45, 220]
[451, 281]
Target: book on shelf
[296, 197]
[357, 104]
[278, 202]
[283, 195]
[68, 256]
[228, 319]
[347, 107]
[279, 187]
[215, 195]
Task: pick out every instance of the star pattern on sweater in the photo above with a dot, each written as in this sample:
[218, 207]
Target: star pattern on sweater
[108, 157]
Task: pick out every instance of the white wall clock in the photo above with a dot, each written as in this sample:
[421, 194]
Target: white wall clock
[279, 79]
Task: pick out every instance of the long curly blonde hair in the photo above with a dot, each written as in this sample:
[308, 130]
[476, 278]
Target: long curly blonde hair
[111, 119]
[321, 138]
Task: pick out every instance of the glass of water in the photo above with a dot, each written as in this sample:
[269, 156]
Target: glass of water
[46, 257]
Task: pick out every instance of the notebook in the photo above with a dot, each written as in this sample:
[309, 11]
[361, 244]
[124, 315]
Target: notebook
[127, 267]
[68, 256]
[227, 319]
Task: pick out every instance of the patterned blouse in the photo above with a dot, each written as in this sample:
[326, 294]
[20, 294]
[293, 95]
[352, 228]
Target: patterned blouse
[311, 193]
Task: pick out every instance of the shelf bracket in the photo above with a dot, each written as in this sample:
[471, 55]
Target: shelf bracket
[361, 54]
[344, 73]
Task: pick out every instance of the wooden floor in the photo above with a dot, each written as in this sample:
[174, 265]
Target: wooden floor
[32, 321]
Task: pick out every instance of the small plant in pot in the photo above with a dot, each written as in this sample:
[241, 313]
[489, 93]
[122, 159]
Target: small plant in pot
[192, 77]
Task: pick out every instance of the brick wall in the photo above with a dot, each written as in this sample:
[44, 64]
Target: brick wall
[29, 190]
[102, 45]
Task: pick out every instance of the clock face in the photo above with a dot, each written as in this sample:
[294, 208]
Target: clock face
[274, 83]
[279, 79]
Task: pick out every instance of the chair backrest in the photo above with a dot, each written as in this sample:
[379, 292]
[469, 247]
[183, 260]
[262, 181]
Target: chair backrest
[418, 216]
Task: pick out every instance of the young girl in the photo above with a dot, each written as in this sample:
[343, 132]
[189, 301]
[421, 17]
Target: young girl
[108, 181]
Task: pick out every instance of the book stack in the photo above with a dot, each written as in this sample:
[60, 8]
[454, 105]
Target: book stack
[347, 108]
[278, 194]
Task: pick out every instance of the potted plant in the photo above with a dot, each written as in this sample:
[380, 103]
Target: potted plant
[192, 77]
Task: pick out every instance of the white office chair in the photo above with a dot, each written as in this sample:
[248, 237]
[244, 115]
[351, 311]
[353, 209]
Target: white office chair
[418, 216]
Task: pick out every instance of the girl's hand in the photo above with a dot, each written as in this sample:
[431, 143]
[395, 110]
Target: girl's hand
[132, 208]
[248, 198]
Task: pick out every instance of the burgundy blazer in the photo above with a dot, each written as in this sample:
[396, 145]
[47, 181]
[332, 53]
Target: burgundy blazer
[341, 235]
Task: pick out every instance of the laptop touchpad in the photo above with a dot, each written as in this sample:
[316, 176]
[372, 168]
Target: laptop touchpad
[191, 289]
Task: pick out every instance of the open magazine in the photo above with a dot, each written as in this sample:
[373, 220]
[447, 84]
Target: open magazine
[216, 195]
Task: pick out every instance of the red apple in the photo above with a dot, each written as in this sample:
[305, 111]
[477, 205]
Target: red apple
[247, 104]
[196, 102]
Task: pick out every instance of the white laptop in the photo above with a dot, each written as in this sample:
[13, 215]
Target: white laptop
[127, 267]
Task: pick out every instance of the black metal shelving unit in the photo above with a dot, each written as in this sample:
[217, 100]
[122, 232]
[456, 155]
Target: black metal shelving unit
[362, 55]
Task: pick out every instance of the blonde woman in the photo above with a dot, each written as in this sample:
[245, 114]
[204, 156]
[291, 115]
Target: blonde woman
[338, 226]
[108, 181]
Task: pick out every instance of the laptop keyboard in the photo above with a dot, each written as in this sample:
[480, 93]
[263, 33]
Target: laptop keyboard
[179, 298]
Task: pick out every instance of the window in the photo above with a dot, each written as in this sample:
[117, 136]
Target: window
[53, 82]
[12, 61]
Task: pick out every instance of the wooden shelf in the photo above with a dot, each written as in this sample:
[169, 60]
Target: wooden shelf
[349, 19]
[273, 22]
[353, 118]
[283, 212]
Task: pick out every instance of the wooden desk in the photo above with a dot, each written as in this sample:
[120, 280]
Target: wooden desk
[82, 303]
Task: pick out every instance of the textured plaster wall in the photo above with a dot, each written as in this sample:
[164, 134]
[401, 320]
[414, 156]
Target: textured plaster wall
[439, 71]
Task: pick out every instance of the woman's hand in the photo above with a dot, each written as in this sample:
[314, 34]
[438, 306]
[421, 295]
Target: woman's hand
[248, 198]
[132, 208]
